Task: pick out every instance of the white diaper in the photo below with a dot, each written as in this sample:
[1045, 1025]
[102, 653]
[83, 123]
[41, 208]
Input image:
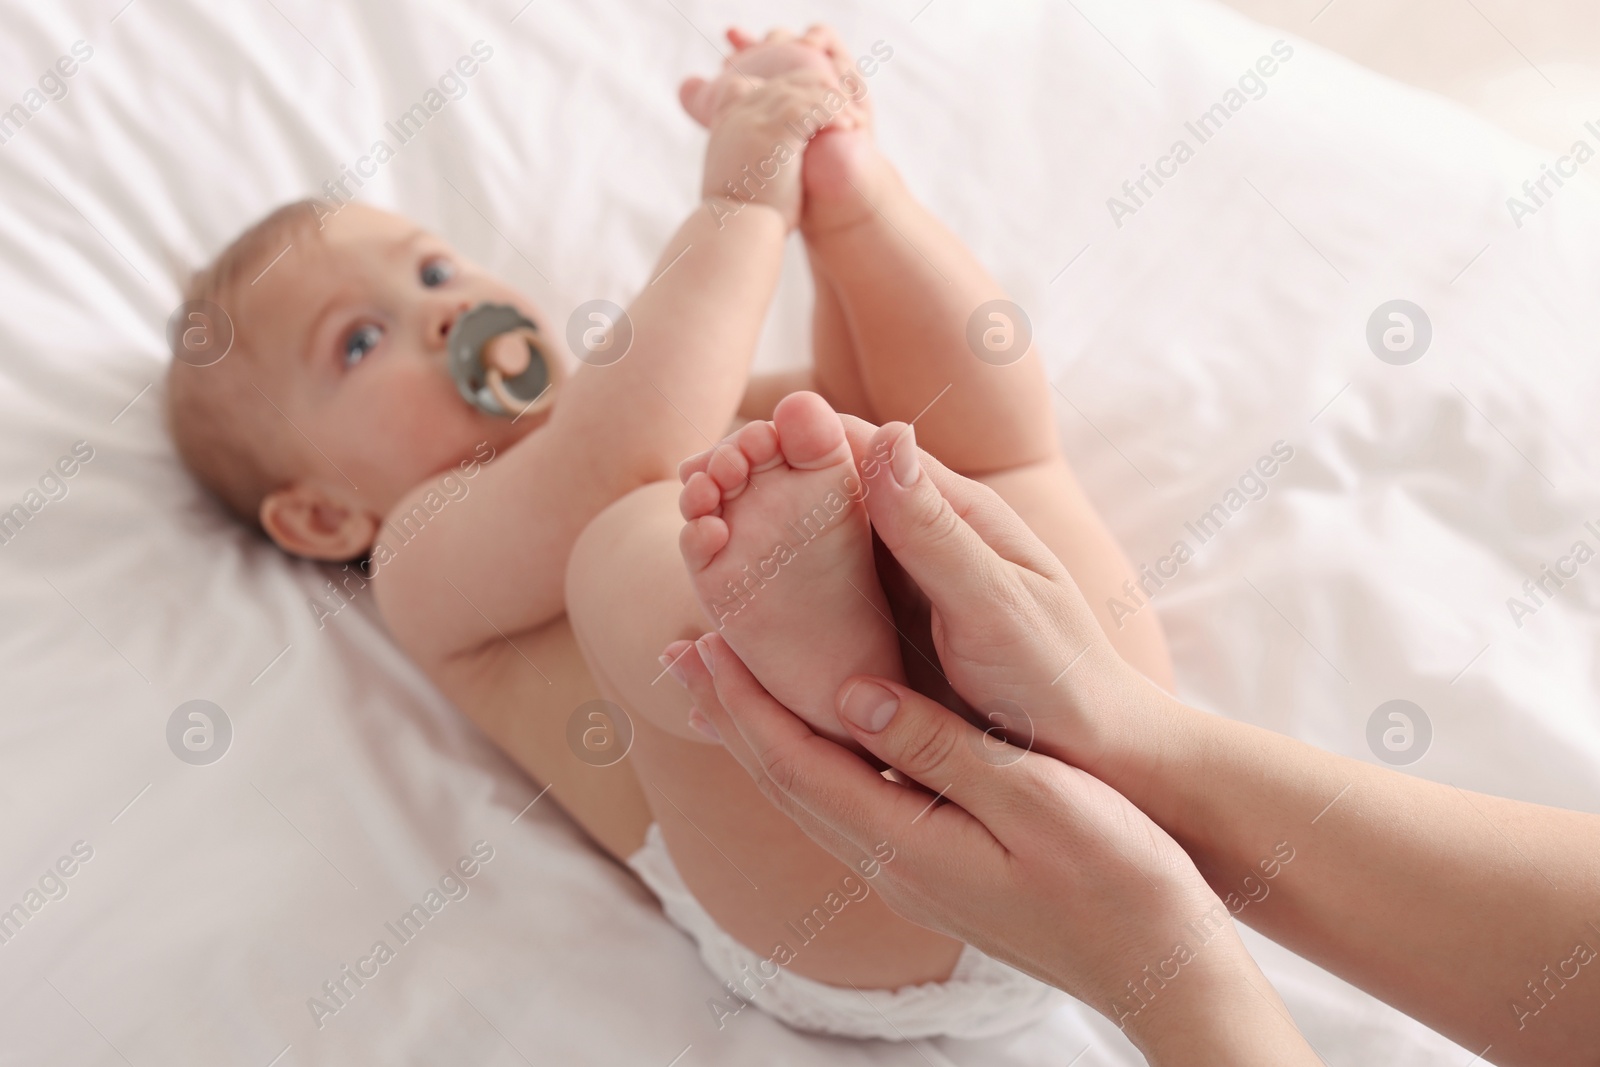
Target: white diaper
[982, 997]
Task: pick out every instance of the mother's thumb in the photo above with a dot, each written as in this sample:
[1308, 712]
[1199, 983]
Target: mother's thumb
[932, 744]
[938, 549]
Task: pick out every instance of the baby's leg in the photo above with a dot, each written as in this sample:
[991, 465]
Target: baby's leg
[836, 366]
[907, 289]
[752, 869]
[833, 372]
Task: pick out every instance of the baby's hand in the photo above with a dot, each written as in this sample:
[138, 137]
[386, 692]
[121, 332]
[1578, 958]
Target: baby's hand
[758, 131]
[780, 52]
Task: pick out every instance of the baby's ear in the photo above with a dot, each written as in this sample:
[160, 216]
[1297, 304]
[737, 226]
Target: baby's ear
[316, 521]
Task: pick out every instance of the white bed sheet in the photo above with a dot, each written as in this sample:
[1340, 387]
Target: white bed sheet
[1227, 314]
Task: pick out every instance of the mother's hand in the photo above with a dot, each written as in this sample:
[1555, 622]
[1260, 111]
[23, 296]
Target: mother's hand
[1035, 862]
[1014, 636]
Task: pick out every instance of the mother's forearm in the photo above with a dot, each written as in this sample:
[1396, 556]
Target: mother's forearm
[1478, 915]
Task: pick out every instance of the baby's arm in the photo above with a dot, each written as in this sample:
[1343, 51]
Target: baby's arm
[504, 547]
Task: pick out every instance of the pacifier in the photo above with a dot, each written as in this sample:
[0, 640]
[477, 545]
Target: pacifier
[497, 361]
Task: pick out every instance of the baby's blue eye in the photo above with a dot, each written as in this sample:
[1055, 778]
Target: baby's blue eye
[362, 341]
[436, 272]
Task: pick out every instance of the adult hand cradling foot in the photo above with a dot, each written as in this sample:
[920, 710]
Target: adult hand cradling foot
[1021, 831]
[1087, 852]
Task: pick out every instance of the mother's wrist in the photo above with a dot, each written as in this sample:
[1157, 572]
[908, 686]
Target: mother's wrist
[1133, 730]
[1218, 1009]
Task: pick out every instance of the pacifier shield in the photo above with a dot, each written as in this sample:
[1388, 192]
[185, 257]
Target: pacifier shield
[469, 334]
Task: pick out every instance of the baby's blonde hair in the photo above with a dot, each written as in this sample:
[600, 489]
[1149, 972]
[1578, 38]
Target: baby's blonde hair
[225, 429]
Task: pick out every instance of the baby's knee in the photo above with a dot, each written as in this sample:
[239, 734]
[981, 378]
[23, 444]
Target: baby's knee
[628, 591]
[629, 540]
[628, 597]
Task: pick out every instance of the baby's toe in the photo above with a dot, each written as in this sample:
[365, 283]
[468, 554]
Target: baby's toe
[700, 496]
[729, 468]
[696, 96]
[809, 432]
[758, 443]
[701, 540]
[827, 41]
[821, 35]
[693, 465]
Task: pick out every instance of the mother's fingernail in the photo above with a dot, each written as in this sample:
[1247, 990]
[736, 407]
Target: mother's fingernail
[674, 668]
[706, 657]
[869, 705]
[703, 724]
[903, 463]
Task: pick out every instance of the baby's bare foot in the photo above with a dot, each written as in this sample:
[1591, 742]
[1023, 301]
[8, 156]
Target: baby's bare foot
[844, 172]
[780, 555]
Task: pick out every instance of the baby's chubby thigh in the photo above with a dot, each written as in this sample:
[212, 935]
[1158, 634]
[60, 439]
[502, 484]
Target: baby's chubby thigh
[628, 596]
[749, 866]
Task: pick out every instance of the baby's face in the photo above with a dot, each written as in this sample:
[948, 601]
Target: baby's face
[358, 323]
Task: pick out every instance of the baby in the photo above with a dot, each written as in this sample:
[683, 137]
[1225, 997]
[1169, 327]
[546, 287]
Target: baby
[539, 601]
